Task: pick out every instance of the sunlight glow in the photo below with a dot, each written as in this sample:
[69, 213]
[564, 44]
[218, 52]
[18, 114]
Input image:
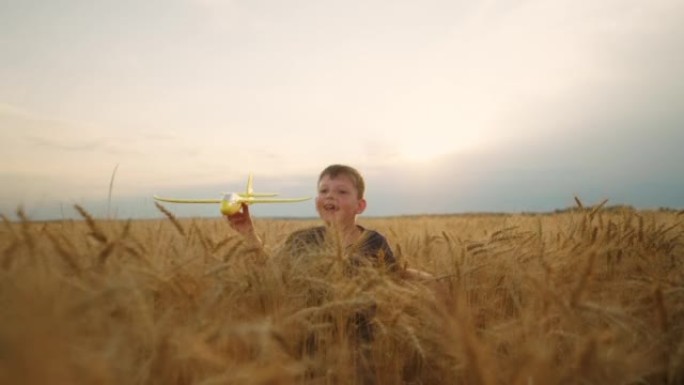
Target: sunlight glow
[427, 148]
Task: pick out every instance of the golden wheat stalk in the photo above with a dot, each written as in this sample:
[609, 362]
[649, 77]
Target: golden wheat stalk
[66, 255]
[171, 217]
[583, 280]
[95, 231]
[597, 208]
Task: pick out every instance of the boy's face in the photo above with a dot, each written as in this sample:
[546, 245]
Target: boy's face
[338, 200]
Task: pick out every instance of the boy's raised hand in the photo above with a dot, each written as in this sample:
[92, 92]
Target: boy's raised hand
[241, 221]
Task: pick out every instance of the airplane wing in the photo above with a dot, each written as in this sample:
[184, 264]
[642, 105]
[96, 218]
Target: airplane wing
[276, 200]
[173, 200]
[244, 195]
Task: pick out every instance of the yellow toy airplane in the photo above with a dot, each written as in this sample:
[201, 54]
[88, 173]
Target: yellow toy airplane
[232, 202]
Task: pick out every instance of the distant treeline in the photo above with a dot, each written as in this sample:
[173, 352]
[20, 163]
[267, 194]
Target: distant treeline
[617, 209]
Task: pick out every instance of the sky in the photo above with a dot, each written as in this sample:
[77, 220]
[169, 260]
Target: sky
[444, 106]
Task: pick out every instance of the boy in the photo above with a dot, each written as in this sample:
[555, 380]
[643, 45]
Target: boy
[339, 200]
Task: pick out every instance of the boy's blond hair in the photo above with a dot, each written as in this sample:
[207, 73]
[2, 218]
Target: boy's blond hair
[333, 171]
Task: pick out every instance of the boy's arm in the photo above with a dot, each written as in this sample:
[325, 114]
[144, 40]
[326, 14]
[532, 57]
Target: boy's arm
[242, 223]
[439, 287]
[415, 274]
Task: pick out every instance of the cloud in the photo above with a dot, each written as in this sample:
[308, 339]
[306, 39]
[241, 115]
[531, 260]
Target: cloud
[9, 110]
[526, 177]
[33, 133]
[159, 136]
[509, 105]
[111, 146]
[94, 145]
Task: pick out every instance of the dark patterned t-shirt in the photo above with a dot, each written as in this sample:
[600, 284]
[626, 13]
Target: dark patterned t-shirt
[371, 248]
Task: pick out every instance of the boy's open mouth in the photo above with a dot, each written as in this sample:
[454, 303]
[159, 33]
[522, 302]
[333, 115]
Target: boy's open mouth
[329, 207]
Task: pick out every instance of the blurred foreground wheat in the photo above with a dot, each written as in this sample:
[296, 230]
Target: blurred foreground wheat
[584, 297]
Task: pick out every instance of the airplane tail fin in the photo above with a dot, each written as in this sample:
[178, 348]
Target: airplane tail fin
[249, 191]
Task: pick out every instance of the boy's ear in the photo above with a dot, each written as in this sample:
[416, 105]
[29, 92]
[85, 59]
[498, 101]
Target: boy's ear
[361, 207]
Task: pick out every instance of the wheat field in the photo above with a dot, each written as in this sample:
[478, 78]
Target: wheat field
[587, 296]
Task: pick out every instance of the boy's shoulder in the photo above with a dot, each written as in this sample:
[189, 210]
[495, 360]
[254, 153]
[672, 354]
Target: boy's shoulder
[369, 236]
[375, 245]
[372, 234]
